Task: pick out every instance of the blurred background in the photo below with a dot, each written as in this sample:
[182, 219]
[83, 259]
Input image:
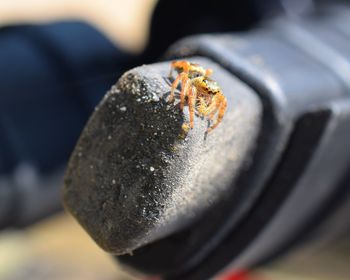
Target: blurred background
[57, 60]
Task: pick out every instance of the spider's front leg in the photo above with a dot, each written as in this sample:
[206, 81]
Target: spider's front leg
[221, 102]
[212, 114]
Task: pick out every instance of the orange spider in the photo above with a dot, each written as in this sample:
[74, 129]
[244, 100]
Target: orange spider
[203, 94]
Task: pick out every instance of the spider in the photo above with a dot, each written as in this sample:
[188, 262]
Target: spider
[201, 93]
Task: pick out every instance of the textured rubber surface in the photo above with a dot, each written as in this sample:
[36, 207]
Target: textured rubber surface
[135, 176]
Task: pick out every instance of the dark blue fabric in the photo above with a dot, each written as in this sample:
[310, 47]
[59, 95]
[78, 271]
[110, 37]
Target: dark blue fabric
[51, 78]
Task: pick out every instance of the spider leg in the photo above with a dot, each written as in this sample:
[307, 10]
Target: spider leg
[212, 114]
[222, 109]
[208, 72]
[192, 96]
[174, 86]
[181, 64]
[184, 90]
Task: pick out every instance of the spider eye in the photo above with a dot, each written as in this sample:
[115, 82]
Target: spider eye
[193, 74]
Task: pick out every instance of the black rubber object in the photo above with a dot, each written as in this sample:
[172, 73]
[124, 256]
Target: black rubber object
[135, 176]
[300, 71]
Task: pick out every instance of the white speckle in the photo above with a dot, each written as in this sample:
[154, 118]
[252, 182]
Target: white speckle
[113, 182]
[151, 168]
[91, 167]
[155, 97]
[123, 109]
[80, 154]
[109, 137]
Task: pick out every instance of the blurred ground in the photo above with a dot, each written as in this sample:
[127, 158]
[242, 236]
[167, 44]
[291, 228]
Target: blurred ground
[58, 249]
[324, 263]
